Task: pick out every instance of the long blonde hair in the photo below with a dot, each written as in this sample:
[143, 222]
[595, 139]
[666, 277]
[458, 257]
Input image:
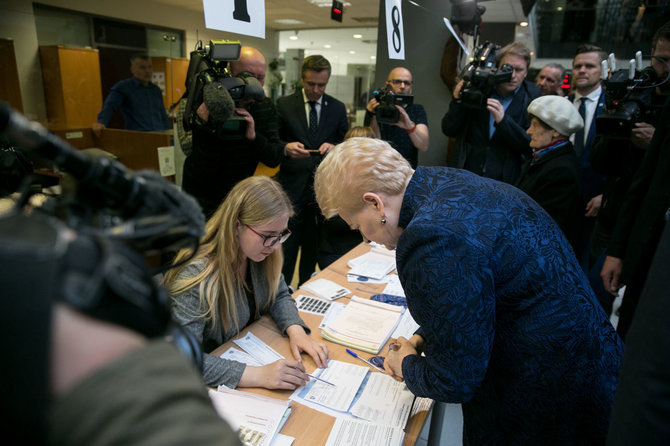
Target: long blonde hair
[254, 201]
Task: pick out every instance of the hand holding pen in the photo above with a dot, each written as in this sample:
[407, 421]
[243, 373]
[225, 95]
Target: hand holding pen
[364, 360]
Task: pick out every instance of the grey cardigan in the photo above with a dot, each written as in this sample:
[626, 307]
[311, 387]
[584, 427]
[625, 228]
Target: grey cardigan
[187, 311]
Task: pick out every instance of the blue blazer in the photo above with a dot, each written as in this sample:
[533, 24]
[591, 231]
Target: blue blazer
[295, 175]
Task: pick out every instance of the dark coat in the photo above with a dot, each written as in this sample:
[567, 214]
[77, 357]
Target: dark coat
[295, 175]
[509, 146]
[553, 182]
[512, 329]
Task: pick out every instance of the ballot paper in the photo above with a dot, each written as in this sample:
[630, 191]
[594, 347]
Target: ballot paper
[347, 379]
[325, 289]
[257, 349]
[332, 313]
[372, 264]
[384, 401]
[257, 419]
[393, 286]
[234, 354]
[406, 327]
[347, 432]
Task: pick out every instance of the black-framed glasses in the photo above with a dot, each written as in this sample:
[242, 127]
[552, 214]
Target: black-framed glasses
[400, 81]
[271, 240]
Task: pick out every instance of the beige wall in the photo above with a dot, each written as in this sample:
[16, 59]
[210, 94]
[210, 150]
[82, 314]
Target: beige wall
[17, 22]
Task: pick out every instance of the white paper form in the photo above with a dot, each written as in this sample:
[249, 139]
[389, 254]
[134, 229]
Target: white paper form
[234, 354]
[258, 349]
[384, 401]
[372, 264]
[332, 314]
[406, 327]
[347, 379]
[393, 286]
[347, 432]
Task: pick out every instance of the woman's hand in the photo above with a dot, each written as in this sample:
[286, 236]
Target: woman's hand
[302, 342]
[417, 342]
[396, 353]
[284, 374]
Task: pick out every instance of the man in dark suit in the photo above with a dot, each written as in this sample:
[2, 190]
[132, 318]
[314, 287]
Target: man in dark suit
[311, 124]
[589, 99]
[491, 141]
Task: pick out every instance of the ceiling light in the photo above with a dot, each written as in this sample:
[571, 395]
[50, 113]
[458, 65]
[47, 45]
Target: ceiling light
[373, 57]
[352, 52]
[289, 22]
[358, 36]
[327, 46]
[523, 24]
[326, 3]
[293, 37]
[560, 8]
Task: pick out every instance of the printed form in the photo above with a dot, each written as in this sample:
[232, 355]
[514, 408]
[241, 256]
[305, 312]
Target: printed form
[347, 379]
[347, 432]
[257, 349]
[384, 401]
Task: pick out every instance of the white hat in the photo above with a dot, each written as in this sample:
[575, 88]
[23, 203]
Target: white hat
[558, 113]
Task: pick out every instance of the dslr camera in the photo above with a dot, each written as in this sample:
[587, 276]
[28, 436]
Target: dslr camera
[628, 98]
[482, 75]
[386, 113]
[209, 80]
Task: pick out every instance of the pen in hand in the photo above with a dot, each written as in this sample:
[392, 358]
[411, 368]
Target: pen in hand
[365, 361]
[318, 379]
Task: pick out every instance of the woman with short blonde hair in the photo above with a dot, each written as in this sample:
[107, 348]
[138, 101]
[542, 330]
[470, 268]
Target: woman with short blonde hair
[235, 277]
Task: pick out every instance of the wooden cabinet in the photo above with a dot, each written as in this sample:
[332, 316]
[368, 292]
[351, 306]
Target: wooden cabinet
[10, 88]
[72, 86]
[170, 76]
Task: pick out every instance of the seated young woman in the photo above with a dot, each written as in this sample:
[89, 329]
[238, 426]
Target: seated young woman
[234, 278]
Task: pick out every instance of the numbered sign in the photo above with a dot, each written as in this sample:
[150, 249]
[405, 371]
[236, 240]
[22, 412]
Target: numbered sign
[395, 36]
[236, 16]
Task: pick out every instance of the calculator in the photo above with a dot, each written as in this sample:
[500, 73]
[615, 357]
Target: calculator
[312, 305]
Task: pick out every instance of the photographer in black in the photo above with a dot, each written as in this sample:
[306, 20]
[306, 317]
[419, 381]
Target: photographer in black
[615, 251]
[407, 132]
[221, 158]
[490, 127]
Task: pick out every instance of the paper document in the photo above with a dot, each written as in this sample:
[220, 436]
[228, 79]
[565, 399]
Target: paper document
[393, 286]
[258, 349]
[372, 264]
[384, 401]
[348, 432]
[421, 405]
[406, 327]
[257, 419]
[325, 289]
[362, 279]
[365, 324]
[347, 379]
[332, 314]
[282, 440]
[236, 355]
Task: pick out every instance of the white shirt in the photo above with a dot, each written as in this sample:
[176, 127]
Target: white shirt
[308, 107]
[589, 111]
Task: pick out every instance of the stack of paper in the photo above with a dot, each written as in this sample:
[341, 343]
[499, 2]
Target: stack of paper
[325, 289]
[347, 432]
[364, 324]
[373, 264]
[257, 419]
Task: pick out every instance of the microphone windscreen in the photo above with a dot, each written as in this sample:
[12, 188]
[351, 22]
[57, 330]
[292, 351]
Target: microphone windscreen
[217, 99]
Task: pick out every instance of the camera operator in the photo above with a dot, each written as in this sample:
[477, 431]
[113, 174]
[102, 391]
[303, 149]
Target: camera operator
[492, 141]
[622, 228]
[410, 133]
[218, 160]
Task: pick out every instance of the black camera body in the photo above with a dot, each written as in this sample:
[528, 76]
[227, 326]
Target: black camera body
[628, 101]
[386, 112]
[209, 80]
[482, 75]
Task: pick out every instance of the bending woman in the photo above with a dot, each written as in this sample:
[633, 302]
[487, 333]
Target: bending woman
[508, 323]
[234, 278]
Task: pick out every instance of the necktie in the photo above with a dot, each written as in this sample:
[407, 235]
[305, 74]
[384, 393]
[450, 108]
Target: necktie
[579, 136]
[313, 119]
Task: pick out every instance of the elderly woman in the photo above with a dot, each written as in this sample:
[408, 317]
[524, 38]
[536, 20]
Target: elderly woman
[551, 177]
[509, 325]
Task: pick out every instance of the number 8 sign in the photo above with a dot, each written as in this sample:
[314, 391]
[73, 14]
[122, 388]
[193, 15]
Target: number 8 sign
[394, 30]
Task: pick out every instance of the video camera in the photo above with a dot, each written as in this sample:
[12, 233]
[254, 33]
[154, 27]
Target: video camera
[482, 75]
[88, 249]
[209, 80]
[628, 98]
[386, 113]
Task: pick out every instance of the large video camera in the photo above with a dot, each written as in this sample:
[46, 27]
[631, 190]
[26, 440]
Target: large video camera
[629, 97]
[88, 248]
[482, 75]
[386, 113]
[209, 80]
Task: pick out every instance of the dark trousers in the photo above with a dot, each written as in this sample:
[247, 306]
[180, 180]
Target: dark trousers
[304, 226]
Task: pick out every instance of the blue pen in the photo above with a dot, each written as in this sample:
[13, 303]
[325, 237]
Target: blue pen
[365, 361]
[319, 379]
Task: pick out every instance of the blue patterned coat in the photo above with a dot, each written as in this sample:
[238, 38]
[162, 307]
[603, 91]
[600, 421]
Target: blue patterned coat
[512, 329]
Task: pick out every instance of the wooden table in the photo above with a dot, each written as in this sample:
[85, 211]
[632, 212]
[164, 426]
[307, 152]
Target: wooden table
[310, 427]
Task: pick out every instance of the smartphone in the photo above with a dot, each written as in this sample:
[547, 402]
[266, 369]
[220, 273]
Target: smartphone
[314, 152]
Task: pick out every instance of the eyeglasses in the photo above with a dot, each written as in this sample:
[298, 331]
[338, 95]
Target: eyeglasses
[400, 81]
[271, 240]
